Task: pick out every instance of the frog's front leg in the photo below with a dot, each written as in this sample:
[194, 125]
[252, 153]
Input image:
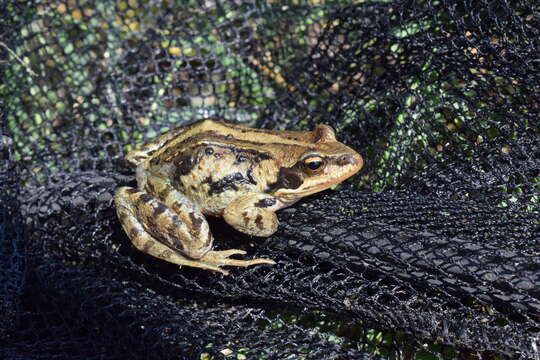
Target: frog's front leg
[253, 214]
[173, 230]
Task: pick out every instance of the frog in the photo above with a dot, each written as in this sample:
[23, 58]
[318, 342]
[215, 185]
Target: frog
[216, 168]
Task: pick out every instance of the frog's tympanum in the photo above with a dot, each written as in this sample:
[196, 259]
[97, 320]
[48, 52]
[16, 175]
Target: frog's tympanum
[214, 168]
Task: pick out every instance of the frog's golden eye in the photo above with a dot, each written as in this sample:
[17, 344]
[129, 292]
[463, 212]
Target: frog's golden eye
[314, 164]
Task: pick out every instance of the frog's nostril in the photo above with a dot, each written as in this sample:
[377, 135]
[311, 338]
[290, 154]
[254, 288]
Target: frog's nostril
[346, 160]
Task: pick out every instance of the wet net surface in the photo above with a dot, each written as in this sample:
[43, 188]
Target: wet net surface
[432, 251]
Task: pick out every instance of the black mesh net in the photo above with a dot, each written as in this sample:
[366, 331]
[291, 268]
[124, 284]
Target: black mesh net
[431, 252]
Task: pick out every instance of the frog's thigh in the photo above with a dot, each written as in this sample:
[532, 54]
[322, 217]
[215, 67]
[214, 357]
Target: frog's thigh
[146, 243]
[157, 230]
[253, 214]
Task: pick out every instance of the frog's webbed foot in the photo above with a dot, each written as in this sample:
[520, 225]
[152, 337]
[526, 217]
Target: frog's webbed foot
[221, 258]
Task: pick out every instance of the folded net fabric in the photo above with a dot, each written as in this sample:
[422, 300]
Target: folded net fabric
[432, 251]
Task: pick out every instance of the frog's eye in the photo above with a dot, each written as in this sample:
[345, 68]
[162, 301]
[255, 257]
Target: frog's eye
[314, 164]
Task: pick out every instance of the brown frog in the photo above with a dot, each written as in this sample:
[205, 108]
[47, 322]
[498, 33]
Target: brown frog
[215, 168]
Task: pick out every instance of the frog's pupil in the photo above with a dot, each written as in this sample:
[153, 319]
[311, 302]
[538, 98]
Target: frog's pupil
[314, 165]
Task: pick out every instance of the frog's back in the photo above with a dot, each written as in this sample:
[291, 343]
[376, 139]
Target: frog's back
[210, 131]
[209, 162]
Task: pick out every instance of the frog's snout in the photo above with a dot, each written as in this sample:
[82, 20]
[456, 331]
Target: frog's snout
[347, 159]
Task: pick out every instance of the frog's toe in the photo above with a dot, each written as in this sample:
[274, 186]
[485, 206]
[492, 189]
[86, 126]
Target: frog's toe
[227, 253]
[221, 258]
[245, 263]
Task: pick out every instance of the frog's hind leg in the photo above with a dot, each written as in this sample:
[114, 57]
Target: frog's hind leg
[145, 242]
[158, 230]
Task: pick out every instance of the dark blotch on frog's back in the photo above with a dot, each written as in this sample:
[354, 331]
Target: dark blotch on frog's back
[229, 182]
[245, 153]
[159, 209]
[184, 163]
[146, 198]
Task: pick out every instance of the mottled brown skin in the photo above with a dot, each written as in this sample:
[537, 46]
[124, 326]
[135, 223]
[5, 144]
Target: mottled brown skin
[220, 169]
